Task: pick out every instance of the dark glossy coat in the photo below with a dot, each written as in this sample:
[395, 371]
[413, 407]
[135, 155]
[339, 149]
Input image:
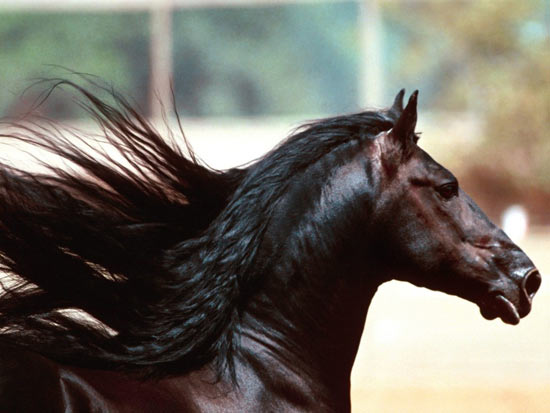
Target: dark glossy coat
[237, 291]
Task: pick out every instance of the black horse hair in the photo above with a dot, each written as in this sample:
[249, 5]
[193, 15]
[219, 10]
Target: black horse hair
[156, 247]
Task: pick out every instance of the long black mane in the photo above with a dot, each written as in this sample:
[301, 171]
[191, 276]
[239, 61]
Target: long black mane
[158, 249]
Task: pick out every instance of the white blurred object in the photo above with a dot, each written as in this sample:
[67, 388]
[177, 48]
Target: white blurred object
[515, 222]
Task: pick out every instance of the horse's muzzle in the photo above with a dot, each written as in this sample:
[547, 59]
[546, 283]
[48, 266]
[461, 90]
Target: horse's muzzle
[509, 310]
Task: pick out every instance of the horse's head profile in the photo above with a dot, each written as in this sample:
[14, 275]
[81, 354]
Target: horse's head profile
[434, 235]
[374, 203]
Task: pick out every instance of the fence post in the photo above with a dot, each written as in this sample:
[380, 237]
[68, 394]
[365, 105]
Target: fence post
[161, 58]
[371, 77]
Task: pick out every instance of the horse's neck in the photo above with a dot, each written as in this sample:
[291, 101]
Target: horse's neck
[302, 331]
[303, 324]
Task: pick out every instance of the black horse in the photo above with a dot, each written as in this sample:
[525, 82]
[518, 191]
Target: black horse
[243, 290]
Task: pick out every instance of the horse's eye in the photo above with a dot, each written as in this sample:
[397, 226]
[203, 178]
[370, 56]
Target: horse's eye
[448, 190]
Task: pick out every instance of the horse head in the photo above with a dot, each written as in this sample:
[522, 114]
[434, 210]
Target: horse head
[433, 234]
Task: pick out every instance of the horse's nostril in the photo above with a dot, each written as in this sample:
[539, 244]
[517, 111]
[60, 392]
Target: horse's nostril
[531, 282]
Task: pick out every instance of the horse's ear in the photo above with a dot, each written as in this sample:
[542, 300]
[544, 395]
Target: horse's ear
[403, 129]
[397, 106]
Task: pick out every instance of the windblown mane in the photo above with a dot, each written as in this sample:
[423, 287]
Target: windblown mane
[157, 248]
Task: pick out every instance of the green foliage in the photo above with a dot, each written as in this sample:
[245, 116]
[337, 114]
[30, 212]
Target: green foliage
[491, 58]
[508, 47]
[295, 59]
[110, 46]
[292, 59]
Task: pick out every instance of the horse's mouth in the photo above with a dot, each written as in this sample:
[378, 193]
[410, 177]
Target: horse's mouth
[500, 306]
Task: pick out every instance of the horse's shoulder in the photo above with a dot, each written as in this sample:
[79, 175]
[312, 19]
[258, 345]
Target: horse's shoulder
[29, 382]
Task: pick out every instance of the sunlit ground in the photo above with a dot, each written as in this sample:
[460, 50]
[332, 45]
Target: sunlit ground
[422, 351]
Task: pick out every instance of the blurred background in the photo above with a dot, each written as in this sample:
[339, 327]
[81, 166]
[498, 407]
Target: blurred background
[245, 72]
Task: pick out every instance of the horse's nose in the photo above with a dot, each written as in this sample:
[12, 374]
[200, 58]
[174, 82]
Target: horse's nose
[530, 283]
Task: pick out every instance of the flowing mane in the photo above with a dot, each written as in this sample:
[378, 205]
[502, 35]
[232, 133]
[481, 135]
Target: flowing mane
[243, 290]
[157, 248]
